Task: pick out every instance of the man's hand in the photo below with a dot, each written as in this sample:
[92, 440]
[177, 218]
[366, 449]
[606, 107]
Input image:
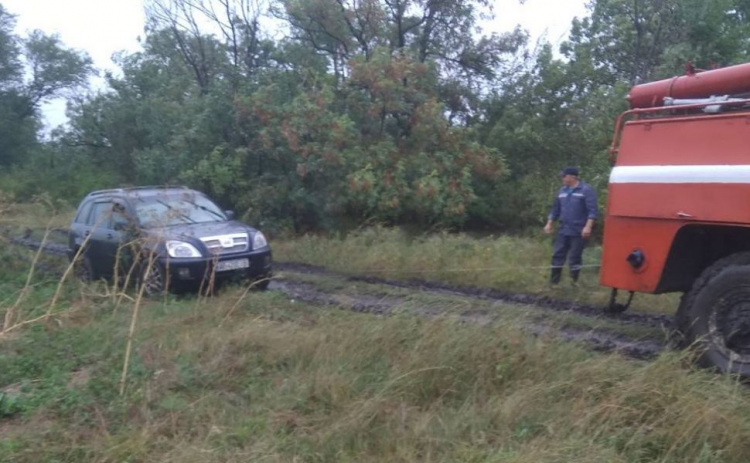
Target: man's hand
[548, 227]
[586, 233]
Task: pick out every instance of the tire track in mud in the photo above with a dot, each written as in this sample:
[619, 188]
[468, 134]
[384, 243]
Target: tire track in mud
[599, 340]
[602, 341]
[525, 299]
[49, 248]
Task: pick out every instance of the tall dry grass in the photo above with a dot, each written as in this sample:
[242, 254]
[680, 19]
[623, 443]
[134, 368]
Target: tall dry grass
[286, 382]
[172, 380]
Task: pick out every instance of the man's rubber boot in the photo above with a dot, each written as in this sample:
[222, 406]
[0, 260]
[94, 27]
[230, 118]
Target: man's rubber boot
[554, 276]
[574, 277]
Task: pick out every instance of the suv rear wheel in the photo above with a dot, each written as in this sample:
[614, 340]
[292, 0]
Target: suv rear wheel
[83, 269]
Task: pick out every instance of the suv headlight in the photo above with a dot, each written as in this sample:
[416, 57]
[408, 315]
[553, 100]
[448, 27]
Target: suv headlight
[181, 249]
[259, 241]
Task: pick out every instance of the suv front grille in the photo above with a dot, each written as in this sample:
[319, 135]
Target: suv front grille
[227, 244]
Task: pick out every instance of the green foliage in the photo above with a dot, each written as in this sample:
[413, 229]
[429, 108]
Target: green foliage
[376, 111]
[550, 117]
[398, 155]
[32, 70]
[9, 405]
[10, 63]
[58, 171]
[17, 128]
[53, 68]
[637, 41]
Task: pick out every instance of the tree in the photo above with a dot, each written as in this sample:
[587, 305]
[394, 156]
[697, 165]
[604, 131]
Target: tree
[240, 51]
[383, 110]
[52, 68]
[636, 41]
[391, 156]
[156, 118]
[10, 63]
[441, 33]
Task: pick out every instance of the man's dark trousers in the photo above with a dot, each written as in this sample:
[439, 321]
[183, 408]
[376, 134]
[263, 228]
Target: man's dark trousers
[570, 246]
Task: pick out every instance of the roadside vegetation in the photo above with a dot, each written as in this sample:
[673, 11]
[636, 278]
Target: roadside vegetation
[504, 262]
[507, 263]
[40, 213]
[409, 117]
[241, 377]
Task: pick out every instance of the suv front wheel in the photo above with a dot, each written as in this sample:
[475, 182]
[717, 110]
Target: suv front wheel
[154, 279]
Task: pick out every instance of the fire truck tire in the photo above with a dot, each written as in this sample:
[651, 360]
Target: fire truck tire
[714, 316]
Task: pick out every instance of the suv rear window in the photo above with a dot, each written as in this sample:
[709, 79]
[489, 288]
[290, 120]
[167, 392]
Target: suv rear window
[120, 217]
[102, 215]
[84, 213]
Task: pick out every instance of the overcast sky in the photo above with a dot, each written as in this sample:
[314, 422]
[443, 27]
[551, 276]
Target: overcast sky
[103, 27]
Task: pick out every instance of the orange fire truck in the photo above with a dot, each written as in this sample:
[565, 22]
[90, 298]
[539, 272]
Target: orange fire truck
[678, 210]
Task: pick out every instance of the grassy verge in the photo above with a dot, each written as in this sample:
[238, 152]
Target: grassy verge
[505, 262]
[44, 213]
[281, 381]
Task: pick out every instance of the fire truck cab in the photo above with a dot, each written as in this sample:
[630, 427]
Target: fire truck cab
[678, 210]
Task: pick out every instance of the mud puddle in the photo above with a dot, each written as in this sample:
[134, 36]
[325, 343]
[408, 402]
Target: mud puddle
[50, 247]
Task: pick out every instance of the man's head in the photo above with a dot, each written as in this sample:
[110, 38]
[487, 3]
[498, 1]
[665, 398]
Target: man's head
[569, 176]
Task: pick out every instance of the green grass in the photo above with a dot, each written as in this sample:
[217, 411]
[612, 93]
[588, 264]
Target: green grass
[42, 214]
[505, 262]
[281, 381]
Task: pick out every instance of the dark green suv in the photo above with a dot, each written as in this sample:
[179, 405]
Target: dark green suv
[167, 237]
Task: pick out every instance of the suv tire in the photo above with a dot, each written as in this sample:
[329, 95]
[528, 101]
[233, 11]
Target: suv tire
[83, 269]
[154, 280]
[261, 284]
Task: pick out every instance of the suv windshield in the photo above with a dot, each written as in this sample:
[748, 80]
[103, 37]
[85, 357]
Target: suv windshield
[166, 211]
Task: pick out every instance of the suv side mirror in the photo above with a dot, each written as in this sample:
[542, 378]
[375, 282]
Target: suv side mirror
[229, 214]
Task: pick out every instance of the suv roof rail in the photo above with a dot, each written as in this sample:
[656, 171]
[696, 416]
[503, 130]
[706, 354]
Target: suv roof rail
[156, 187]
[123, 190]
[102, 192]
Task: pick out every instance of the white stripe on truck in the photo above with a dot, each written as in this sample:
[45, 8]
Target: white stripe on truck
[681, 174]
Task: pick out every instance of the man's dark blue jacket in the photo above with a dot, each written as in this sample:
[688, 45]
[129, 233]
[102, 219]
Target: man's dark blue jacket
[573, 207]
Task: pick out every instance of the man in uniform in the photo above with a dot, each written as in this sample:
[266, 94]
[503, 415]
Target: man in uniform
[575, 207]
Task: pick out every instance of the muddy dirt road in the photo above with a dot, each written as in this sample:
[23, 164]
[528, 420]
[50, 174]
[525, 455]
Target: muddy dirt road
[637, 335]
[575, 322]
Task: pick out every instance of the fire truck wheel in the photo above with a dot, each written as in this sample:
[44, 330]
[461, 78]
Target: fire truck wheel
[715, 315]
